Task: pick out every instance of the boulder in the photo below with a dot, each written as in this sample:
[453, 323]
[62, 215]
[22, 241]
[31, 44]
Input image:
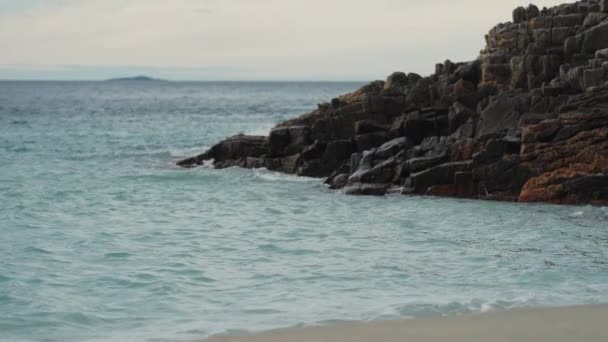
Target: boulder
[596, 38]
[416, 127]
[392, 148]
[313, 151]
[336, 153]
[231, 151]
[593, 78]
[602, 54]
[339, 181]
[364, 142]
[532, 12]
[438, 175]
[370, 126]
[396, 79]
[501, 116]
[593, 19]
[364, 189]
[289, 140]
[458, 115]
[423, 163]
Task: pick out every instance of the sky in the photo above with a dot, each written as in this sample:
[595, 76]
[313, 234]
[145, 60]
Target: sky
[338, 40]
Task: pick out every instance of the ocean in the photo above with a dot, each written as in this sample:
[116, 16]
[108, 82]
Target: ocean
[103, 238]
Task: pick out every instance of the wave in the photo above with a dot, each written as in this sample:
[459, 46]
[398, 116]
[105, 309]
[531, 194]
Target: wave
[159, 153]
[273, 176]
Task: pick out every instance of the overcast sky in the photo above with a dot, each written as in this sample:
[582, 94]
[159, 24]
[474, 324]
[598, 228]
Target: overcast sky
[241, 39]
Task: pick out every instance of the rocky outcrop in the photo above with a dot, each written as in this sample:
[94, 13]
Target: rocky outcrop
[527, 121]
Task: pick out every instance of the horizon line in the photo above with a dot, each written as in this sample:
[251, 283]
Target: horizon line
[186, 80]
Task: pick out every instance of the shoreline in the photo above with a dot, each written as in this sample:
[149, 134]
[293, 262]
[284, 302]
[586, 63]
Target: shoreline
[562, 324]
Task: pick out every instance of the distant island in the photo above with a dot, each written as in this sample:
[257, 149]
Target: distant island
[136, 78]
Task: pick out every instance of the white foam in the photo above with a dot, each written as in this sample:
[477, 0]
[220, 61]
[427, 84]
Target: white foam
[577, 214]
[186, 152]
[268, 175]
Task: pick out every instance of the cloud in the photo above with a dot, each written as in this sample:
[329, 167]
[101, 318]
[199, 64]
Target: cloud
[298, 39]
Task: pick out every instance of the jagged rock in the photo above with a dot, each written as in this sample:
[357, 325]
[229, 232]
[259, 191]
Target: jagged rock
[596, 38]
[497, 148]
[438, 175]
[501, 116]
[369, 126]
[603, 54]
[313, 151]
[233, 149]
[393, 148]
[416, 127]
[532, 12]
[366, 189]
[525, 121]
[288, 140]
[366, 142]
[423, 163]
[458, 115]
[339, 181]
[397, 79]
[593, 19]
[336, 153]
[593, 78]
[519, 15]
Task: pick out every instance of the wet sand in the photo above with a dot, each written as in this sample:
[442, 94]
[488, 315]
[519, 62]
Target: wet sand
[572, 324]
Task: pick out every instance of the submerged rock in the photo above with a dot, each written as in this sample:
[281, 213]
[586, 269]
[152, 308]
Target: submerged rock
[527, 121]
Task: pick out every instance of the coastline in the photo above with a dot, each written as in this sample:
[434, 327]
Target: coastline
[564, 324]
[526, 121]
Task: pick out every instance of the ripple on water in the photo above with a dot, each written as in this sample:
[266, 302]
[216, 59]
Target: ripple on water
[36, 250]
[117, 255]
[272, 248]
[104, 237]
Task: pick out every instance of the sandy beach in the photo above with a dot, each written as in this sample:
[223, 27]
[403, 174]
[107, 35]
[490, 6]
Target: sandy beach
[580, 324]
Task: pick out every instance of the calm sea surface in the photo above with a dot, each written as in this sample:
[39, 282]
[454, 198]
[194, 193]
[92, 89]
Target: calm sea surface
[103, 239]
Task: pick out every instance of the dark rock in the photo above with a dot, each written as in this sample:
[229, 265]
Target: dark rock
[497, 148]
[438, 175]
[596, 38]
[396, 79]
[593, 78]
[360, 165]
[365, 189]
[593, 19]
[525, 121]
[519, 15]
[289, 140]
[393, 148]
[420, 164]
[532, 12]
[336, 153]
[603, 54]
[417, 127]
[501, 116]
[313, 151]
[231, 151]
[366, 142]
[458, 115]
[339, 181]
[369, 126]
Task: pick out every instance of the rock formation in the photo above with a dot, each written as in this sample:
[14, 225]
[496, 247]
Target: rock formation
[527, 121]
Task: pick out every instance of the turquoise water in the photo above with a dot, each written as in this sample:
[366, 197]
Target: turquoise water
[102, 238]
